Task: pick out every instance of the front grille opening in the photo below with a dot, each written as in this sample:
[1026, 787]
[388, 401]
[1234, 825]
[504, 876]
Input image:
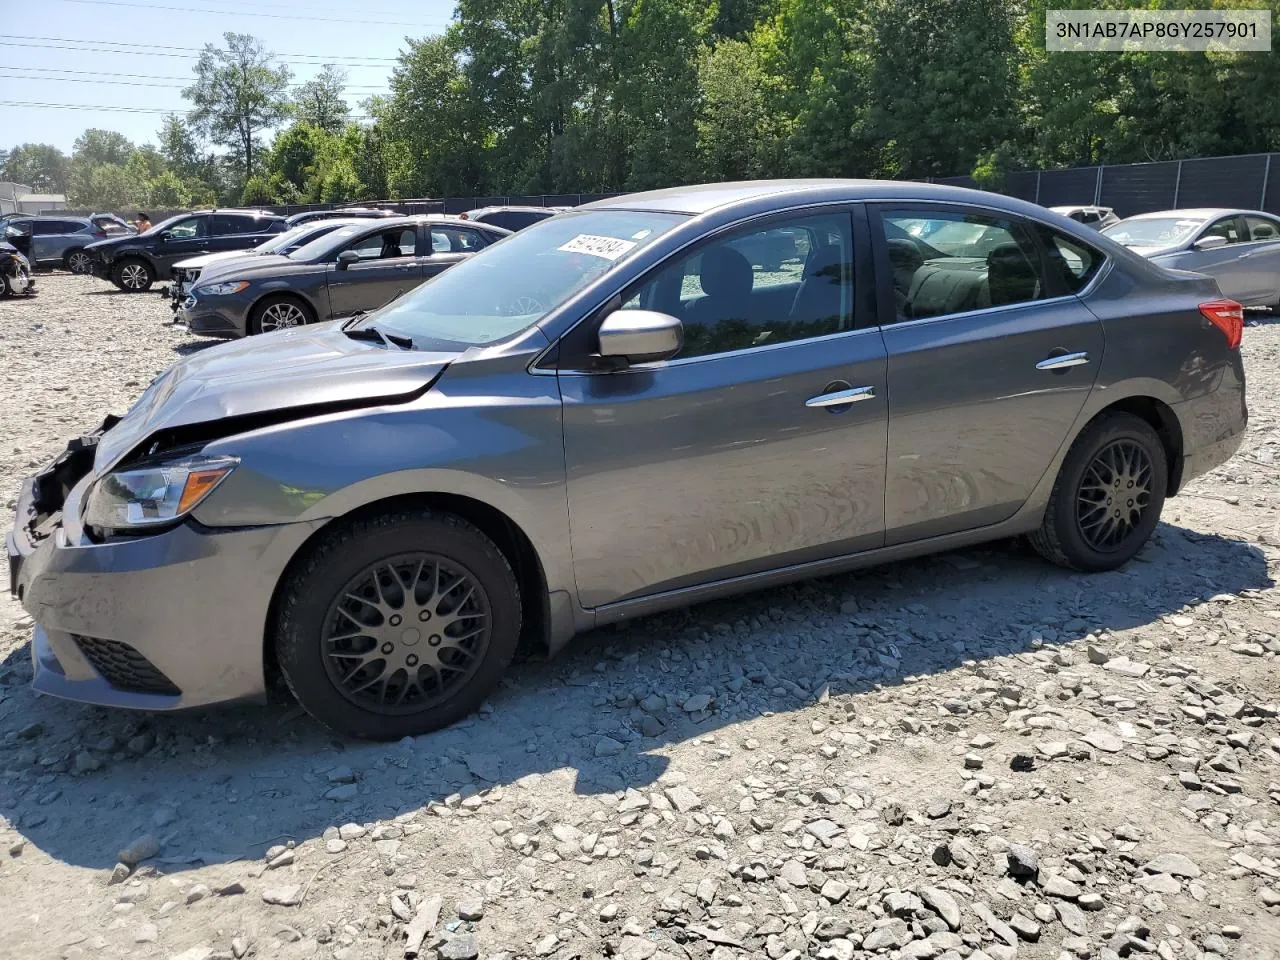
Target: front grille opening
[124, 667]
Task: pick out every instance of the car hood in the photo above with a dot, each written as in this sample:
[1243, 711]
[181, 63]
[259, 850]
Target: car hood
[273, 377]
[111, 242]
[1150, 251]
[257, 267]
[202, 261]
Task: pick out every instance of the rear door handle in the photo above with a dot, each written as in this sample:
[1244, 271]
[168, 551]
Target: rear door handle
[1062, 361]
[840, 398]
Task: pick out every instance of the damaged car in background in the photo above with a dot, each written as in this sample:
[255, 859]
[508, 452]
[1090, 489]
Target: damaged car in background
[582, 423]
[185, 273]
[15, 272]
[355, 268]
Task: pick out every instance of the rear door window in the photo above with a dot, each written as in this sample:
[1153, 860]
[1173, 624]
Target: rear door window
[965, 262]
[1072, 263]
[1262, 228]
[455, 240]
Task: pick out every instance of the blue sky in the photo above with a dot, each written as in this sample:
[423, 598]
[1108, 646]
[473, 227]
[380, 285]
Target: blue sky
[138, 54]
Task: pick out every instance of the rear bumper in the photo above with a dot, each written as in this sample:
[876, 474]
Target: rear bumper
[1214, 424]
[161, 622]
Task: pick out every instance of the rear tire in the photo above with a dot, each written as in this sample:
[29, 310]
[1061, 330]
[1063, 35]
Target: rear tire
[133, 275]
[1107, 498]
[279, 313]
[398, 624]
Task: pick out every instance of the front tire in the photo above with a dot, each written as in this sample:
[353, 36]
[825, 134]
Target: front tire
[398, 624]
[279, 313]
[1108, 496]
[133, 275]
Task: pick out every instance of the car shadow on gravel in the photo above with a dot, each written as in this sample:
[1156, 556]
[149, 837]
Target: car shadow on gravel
[189, 347]
[214, 786]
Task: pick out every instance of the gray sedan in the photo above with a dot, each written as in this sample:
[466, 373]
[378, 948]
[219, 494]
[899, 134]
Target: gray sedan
[1238, 248]
[625, 408]
[351, 269]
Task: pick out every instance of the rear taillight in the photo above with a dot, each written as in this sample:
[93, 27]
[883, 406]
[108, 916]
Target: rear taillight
[1227, 316]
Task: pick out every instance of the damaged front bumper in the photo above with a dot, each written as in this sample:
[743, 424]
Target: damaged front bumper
[162, 621]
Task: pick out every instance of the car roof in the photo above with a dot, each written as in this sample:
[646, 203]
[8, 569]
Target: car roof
[513, 207]
[704, 198]
[48, 216]
[1200, 213]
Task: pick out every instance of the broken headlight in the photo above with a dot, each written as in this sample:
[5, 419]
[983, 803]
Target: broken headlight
[156, 494]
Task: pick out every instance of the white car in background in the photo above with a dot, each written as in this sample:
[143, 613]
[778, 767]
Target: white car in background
[1238, 248]
[1090, 216]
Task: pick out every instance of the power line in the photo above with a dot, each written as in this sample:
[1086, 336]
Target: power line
[121, 109]
[246, 13]
[355, 89]
[149, 49]
[186, 81]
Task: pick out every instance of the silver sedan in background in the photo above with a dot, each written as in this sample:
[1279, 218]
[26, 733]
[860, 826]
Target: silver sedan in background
[1238, 248]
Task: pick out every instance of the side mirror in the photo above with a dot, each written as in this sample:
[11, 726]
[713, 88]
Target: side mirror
[1209, 243]
[346, 258]
[641, 336]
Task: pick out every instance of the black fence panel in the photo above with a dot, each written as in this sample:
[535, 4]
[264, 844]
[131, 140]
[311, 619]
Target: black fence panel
[1062, 187]
[562, 199]
[1272, 201]
[1222, 182]
[1139, 187]
[965, 181]
[1021, 185]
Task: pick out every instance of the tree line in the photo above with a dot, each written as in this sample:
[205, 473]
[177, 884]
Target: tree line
[568, 96]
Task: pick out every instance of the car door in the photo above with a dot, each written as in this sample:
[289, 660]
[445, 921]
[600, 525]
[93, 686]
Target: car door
[388, 266]
[188, 237]
[47, 240]
[1222, 263]
[990, 359]
[18, 233]
[760, 445]
[1261, 259]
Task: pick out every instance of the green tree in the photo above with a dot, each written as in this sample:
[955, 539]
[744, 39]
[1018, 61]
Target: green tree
[256, 192]
[293, 155]
[740, 132]
[93, 150]
[42, 167]
[319, 102]
[167, 191]
[435, 115]
[944, 83]
[239, 93]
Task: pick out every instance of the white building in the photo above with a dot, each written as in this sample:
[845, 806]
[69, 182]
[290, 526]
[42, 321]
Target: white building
[18, 198]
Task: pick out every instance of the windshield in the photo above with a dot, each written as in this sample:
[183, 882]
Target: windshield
[509, 286]
[284, 241]
[1152, 231]
[331, 240]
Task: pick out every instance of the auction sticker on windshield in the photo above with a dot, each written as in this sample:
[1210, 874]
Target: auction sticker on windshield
[609, 248]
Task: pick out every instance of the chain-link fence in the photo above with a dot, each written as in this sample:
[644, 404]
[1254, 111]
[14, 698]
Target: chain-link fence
[1250, 182]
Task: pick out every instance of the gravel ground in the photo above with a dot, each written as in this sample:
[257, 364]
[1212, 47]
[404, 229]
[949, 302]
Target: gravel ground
[974, 755]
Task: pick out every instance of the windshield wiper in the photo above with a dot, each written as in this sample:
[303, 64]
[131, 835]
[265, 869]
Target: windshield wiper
[374, 335]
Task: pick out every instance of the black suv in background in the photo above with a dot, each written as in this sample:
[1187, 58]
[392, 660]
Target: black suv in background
[511, 218]
[133, 263]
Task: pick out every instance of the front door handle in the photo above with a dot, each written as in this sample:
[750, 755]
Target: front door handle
[840, 398]
[1062, 361]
